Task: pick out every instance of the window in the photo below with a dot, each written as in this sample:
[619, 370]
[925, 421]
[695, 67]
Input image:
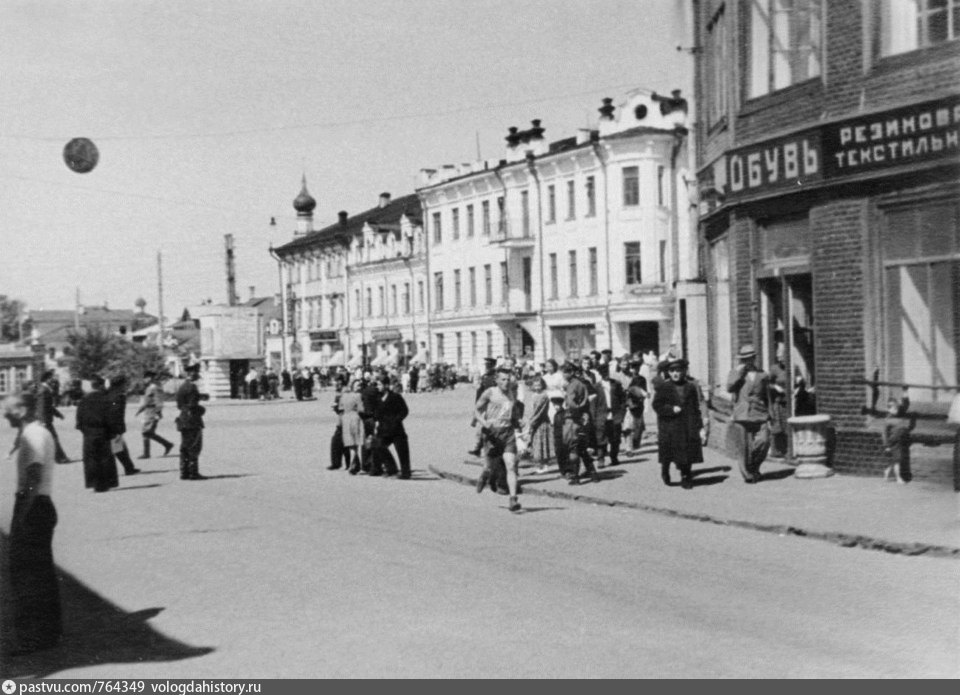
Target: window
[421, 296]
[571, 200]
[473, 347]
[455, 225]
[382, 304]
[551, 204]
[4, 381]
[406, 298]
[394, 305]
[717, 68]
[554, 284]
[356, 304]
[631, 253]
[437, 233]
[722, 316]
[573, 273]
[489, 343]
[660, 171]
[921, 262]
[438, 290]
[631, 186]
[459, 337]
[592, 261]
[501, 216]
[591, 196]
[487, 285]
[473, 286]
[525, 212]
[783, 45]
[906, 25]
[369, 302]
[485, 212]
[470, 222]
[440, 347]
[504, 282]
[456, 288]
[663, 261]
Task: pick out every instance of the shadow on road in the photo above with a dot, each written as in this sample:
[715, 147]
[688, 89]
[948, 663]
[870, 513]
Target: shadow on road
[701, 481]
[530, 510]
[777, 475]
[137, 487]
[95, 632]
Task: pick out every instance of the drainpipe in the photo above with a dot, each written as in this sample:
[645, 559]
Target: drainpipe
[679, 134]
[541, 322]
[426, 248]
[598, 152]
[506, 253]
[283, 310]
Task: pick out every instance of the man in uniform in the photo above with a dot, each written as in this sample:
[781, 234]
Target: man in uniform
[576, 420]
[190, 424]
[151, 408]
[750, 387]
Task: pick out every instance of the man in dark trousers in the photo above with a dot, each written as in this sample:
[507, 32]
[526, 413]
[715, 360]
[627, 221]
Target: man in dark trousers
[389, 413]
[118, 416]
[576, 418]
[190, 424]
[750, 387]
[94, 421]
[151, 410]
[47, 405]
[368, 395]
[35, 592]
[610, 409]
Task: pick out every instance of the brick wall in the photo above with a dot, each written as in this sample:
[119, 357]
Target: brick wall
[741, 277]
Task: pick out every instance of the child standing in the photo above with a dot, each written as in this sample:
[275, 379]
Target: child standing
[896, 440]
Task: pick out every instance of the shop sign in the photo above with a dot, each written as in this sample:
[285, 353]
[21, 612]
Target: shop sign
[324, 336]
[775, 164]
[909, 134]
[386, 334]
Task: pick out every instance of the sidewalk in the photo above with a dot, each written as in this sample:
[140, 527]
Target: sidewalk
[919, 518]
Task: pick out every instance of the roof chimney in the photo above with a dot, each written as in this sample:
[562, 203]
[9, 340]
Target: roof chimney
[253, 292]
[606, 111]
[384, 200]
[342, 217]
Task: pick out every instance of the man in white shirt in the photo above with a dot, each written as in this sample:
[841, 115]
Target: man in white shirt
[36, 596]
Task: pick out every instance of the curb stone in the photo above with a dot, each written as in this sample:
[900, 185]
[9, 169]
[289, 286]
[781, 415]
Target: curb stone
[845, 540]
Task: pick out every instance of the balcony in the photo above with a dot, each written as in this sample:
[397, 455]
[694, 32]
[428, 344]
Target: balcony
[513, 234]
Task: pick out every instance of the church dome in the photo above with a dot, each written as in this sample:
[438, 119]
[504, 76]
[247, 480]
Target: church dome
[304, 203]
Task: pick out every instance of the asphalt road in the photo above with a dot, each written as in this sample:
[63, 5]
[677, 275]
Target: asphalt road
[276, 567]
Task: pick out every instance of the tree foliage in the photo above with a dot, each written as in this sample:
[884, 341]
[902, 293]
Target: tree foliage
[10, 312]
[95, 351]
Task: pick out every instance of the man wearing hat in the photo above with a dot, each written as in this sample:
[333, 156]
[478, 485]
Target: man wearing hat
[190, 424]
[151, 410]
[487, 380]
[681, 430]
[750, 387]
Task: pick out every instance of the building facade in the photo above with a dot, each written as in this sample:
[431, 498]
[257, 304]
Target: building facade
[561, 248]
[353, 292]
[828, 181]
[21, 367]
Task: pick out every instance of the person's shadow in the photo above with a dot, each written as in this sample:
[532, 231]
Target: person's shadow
[94, 632]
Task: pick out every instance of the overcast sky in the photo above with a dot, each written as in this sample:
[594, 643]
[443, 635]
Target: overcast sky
[206, 113]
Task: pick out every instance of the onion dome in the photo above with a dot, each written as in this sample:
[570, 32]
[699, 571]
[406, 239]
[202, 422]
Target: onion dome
[304, 203]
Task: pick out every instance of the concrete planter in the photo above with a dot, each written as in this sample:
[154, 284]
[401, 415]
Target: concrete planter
[810, 433]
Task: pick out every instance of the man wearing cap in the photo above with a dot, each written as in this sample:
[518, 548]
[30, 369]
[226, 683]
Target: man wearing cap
[47, 405]
[190, 424]
[610, 409]
[151, 410]
[750, 387]
[680, 425]
[576, 420]
[487, 380]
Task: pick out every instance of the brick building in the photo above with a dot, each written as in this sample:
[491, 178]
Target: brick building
[827, 166]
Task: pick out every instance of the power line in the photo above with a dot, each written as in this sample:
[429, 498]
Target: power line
[323, 124]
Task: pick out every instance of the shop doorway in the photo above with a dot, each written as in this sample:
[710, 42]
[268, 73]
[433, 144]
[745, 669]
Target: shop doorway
[238, 371]
[644, 337]
[787, 336]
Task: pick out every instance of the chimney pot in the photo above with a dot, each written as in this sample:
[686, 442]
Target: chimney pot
[384, 199]
[342, 215]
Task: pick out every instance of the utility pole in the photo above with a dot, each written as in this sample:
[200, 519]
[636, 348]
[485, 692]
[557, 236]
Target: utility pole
[231, 271]
[76, 311]
[160, 298]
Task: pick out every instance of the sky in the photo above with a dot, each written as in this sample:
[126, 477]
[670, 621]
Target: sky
[206, 114]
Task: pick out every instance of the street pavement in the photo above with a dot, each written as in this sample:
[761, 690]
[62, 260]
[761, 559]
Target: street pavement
[276, 567]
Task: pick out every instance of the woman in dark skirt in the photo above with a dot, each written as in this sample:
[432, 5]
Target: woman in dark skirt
[680, 423]
[538, 428]
[95, 421]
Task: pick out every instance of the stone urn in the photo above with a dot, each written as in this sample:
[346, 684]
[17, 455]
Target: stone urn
[809, 434]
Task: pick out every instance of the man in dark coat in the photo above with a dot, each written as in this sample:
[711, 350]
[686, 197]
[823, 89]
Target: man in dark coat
[118, 423]
[190, 424]
[368, 396]
[680, 423]
[95, 422]
[47, 404]
[389, 412]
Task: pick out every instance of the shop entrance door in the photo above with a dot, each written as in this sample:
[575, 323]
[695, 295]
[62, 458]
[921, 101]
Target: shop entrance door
[787, 333]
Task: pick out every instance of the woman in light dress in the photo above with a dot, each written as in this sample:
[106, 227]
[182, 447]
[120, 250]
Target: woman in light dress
[351, 405]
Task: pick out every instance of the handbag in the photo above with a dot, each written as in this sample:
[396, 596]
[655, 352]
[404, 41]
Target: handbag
[116, 444]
